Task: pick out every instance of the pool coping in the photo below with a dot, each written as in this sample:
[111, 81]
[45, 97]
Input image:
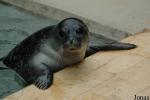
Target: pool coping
[58, 14]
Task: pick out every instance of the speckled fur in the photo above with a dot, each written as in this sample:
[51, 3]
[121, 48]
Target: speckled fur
[40, 55]
[53, 48]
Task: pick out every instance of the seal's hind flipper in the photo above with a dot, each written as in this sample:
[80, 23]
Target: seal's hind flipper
[112, 46]
[102, 43]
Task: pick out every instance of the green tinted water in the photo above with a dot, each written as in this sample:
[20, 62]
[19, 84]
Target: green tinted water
[15, 25]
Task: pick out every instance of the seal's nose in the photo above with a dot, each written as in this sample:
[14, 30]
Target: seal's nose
[72, 41]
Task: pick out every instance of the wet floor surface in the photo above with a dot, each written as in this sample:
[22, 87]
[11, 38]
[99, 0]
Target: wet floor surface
[15, 25]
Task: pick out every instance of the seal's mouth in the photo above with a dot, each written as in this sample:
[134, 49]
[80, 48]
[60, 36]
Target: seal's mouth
[74, 46]
[73, 49]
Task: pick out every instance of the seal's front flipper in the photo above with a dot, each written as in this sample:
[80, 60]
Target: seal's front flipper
[45, 80]
[109, 46]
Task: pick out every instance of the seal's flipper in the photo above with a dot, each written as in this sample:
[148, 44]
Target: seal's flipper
[112, 46]
[101, 43]
[44, 81]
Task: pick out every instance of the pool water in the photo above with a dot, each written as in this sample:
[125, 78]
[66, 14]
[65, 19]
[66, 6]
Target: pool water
[15, 25]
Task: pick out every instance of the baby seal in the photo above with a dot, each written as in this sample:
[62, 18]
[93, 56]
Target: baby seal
[53, 48]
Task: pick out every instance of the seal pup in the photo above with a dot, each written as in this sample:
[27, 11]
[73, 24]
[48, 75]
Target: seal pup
[53, 48]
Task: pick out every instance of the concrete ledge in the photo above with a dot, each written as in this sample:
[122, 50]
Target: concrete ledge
[58, 14]
[114, 75]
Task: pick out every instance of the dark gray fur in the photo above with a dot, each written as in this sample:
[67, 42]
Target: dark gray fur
[69, 39]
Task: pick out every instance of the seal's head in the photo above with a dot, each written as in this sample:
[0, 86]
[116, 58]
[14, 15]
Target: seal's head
[74, 34]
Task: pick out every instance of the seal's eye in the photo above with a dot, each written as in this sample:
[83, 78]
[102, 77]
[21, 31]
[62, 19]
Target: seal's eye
[62, 33]
[79, 31]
